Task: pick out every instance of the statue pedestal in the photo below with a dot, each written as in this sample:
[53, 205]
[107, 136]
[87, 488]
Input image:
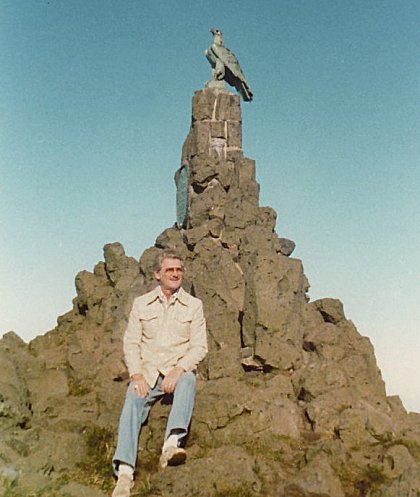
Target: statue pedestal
[216, 85]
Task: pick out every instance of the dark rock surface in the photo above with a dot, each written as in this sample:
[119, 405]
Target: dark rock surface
[290, 401]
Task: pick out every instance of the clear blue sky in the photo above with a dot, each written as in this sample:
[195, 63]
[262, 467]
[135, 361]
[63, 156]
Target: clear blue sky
[95, 103]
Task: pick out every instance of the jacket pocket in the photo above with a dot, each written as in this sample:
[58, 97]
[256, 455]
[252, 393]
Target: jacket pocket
[182, 327]
[149, 323]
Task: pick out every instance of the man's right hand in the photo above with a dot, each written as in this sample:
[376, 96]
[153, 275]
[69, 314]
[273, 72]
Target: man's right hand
[139, 385]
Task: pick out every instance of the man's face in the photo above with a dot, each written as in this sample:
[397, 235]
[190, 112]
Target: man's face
[170, 274]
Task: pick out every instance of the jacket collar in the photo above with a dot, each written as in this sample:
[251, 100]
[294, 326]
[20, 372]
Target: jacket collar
[181, 295]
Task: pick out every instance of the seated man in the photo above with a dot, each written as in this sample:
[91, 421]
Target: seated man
[164, 341]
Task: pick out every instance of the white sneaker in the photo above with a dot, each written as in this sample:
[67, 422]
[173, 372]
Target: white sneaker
[123, 487]
[172, 456]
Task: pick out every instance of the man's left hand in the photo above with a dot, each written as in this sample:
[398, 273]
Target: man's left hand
[170, 380]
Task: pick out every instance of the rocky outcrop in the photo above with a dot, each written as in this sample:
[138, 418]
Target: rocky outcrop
[290, 401]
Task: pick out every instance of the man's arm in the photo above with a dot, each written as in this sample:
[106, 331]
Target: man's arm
[196, 352]
[139, 385]
[132, 356]
[198, 340]
[171, 379]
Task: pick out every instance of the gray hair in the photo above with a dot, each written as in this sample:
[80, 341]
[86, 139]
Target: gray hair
[166, 254]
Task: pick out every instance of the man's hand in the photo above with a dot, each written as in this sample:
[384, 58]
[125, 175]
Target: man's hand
[139, 385]
[170, 380]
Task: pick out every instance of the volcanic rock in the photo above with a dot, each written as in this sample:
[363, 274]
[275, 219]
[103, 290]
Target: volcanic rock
[290, 400]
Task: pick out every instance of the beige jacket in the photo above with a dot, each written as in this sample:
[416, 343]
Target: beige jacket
[160, 337]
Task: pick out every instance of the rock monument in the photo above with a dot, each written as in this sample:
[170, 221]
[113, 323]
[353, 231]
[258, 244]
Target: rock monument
[290, 401]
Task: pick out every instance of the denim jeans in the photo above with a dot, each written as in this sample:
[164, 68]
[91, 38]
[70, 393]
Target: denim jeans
[136, 410]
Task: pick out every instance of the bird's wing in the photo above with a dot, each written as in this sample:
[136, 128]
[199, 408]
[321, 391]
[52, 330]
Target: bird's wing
[210, 56]
[229, 60]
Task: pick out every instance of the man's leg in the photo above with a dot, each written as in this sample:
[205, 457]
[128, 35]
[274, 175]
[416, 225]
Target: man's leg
[182, 406]
[179, 419]
[133, 415]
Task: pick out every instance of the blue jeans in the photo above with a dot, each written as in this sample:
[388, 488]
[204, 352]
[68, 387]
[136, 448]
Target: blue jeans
[136, 410]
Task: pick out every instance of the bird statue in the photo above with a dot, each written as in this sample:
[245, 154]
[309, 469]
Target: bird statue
[226, 66]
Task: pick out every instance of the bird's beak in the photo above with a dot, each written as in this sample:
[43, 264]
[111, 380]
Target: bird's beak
[213, 30]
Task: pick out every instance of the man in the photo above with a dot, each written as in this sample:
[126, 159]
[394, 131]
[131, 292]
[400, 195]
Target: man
[164, 341]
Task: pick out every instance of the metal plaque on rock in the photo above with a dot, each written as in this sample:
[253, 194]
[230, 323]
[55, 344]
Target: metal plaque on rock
[182, 181]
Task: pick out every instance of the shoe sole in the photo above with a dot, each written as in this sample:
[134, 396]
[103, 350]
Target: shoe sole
[177, 459]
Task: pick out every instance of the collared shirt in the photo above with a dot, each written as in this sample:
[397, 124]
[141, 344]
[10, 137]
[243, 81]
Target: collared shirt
[163, 334]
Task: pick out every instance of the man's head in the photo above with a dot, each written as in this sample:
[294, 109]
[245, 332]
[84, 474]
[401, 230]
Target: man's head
[168, 269]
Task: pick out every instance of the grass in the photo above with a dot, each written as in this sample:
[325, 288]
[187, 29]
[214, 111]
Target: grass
[375, 475]
[97, 468]
[236, 491]
[77, 388]
[49, 491]
[413, 446]
[372, 478]
[144, 486]
[279, 448]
